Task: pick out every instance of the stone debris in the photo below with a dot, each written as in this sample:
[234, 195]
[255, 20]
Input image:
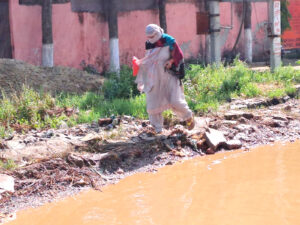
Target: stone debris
[105, 121]
[233, 115]
[214, 138]
[244, 128]
[6, 183]
[229, 122]
[15, 144]
[233, 144]
[273, 122]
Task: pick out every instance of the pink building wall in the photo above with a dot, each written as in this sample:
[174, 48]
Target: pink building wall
[259, 18]
[82, 37]
[25, 24]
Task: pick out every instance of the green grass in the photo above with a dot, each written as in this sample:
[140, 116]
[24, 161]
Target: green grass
[27, 108]
[8, 165]
[205, 89]
[276, 93]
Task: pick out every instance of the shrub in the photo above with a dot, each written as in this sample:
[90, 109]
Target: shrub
[120, 87]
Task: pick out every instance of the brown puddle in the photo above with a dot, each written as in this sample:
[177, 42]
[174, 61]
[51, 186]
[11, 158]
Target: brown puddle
[261, 186]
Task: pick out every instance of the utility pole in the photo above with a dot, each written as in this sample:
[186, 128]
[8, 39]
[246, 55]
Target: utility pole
[215, 29]
[248, 31]
[162, 14]
[47, 37]
[113, 36]
[274, 34]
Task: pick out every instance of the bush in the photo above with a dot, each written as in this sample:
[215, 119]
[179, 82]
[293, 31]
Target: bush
[120, 87]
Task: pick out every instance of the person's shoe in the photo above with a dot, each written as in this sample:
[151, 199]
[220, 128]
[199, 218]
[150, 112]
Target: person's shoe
[158, 130]
[190, 123]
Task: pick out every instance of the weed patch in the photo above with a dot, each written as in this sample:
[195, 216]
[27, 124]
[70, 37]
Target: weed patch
[205, 89]
[8, 164]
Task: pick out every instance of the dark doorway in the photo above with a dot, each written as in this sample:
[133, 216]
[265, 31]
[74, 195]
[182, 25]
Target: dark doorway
[5, 42]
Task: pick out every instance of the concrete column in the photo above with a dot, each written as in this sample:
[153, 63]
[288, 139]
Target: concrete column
[248, 32]
[207, 49]
[47, 37]
[275, 40]
[214, 14]
[113, 36]
[162, 14]
[114, 54]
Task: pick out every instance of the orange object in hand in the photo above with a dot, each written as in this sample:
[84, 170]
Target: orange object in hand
[135, 66]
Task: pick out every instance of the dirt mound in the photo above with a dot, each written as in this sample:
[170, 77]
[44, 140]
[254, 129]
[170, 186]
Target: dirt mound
[13, 74]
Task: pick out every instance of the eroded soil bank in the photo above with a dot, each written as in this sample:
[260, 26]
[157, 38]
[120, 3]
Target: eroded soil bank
[55, 163]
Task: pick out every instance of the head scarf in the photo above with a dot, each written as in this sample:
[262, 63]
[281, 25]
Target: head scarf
[155, 31]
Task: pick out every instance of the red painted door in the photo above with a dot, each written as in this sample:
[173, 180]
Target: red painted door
[5, 42]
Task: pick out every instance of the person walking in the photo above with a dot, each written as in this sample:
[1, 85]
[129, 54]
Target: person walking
[159, 77]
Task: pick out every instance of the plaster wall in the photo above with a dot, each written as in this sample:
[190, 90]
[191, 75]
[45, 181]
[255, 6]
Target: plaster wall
[83, 37]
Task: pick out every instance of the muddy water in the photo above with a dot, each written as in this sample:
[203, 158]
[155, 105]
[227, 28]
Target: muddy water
[261, 186]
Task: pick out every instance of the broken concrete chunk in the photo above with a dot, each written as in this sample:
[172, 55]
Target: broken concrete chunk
[15, 145]
[229, 122]
[273, 123]
[244, 127]
[242, 136]
[201, 122]
[214, 138]
[234, 144]
[248, 115]
[75, 160]
[233, 115]
[7, 183]
[280, 117]
[238, 106]
[91, 136]
[104, 121]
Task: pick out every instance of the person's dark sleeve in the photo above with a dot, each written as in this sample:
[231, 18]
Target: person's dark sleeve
[176, 54]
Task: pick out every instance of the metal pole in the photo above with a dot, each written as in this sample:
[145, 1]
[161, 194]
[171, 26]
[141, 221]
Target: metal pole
[214, 14]
[274, 35]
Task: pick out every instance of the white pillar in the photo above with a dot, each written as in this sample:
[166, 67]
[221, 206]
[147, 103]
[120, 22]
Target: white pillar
[248, 45]
[275, 40]
[214, 13]
[207, 49]
[47, 55]
[114, 55]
